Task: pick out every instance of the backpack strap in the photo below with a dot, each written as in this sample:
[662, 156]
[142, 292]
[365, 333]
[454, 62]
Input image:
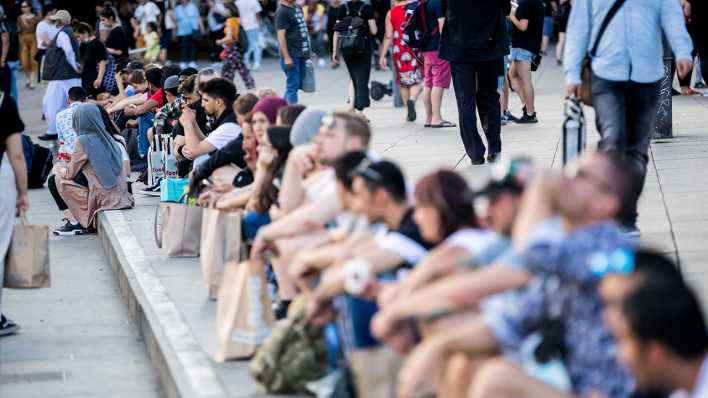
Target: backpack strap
[605, 22]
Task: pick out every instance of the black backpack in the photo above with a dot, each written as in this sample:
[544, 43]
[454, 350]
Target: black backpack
[416, 32]
[39, 162]
[352, 32]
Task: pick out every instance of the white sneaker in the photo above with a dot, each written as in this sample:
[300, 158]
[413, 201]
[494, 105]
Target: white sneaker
[321, 63]
[193, 65]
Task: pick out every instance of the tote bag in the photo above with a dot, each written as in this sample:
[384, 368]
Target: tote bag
[180, 232]
[220, 244]
[27, 261]
[244, 316]
[308, 78]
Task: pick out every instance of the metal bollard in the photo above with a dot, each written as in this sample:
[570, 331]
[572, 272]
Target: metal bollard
[664, 114]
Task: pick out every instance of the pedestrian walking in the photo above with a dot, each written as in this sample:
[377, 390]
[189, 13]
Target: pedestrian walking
[169, 29]
[117, 41]
[216, 18]
[94, 60]
[699, 20]
[294, 46]
[13, 185]
[549, 8]
[406, 61]
[332, 13]
[250, 12]
[563, 15]
[625, 84]
[526, 37]
[44, 33]
[61, 69]
[475, 41]
[189, 28]
[356, 18]
[145, 12]
[315, 14]
[27, 27]
[233, 54]
[436, 71]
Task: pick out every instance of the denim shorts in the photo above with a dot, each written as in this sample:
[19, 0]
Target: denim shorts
[521, 54]
[500, 81]
[548, 26]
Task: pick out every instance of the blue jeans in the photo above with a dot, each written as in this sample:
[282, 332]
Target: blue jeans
[252, 221]
[255, 50]
[14, 66]
[293, 78]
[144, 123]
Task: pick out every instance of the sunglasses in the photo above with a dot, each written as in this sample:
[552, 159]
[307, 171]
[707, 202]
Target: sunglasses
[329, 122]
[364, 170]
[618, 261]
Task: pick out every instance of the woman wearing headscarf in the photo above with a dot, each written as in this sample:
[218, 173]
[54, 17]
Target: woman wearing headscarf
[94, 179]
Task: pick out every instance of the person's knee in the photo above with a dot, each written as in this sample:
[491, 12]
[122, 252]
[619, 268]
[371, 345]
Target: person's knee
[491, 379]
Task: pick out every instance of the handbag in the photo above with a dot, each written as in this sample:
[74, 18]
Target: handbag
[220, 244]
[585, 93]
[308, 79]
[173, 189]
[243, 43]
[27, 261]
[180, 232]
[244, 316]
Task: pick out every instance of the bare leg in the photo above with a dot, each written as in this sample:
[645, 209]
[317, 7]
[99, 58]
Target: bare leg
[405, 93]
[560, 46]
[436, 97]
[523, 70]
[499, 378]
[544, 43]
[516, 81]
[504, 96]
[427, 102]
[415, 92]
[351, 96]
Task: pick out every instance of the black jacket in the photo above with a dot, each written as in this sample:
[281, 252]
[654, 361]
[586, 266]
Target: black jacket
[475, 30]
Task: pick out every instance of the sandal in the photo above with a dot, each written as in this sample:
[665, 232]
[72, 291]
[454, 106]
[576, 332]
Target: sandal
[443, 124]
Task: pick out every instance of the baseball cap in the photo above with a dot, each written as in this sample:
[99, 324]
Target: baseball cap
[61, 15]
[171, 82]
[509, 175]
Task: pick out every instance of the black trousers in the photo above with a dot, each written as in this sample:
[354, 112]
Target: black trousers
[359, 67]
[625, 114]
[476, 90]
[188, 48]
[52, 185]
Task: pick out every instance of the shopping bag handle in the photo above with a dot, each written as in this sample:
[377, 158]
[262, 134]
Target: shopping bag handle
[158, 237]
[22, 215]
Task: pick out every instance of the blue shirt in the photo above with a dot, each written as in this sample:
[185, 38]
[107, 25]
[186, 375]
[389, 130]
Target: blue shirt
[630, 49]
[187, 19]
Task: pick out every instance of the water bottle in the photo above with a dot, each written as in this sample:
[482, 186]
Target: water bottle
[573, 130]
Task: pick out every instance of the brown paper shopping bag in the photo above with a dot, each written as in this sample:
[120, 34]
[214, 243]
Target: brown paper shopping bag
[244, 316]
[27, 261]
[220, 244]
[181, 229]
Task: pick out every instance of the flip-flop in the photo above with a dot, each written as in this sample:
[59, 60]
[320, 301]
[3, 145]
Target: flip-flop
[443, 124]
[426, 125]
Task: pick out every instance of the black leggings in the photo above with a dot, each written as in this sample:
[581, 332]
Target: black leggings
[52, 185]
[359, 67]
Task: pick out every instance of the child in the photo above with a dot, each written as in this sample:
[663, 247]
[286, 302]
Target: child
[152, 43]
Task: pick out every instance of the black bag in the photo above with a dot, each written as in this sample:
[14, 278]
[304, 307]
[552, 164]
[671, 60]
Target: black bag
[39, 162]
[352, 32]
[536, 62]
[416, 32]
[243, 43]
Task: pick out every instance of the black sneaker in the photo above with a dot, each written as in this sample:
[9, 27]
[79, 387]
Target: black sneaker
[69, 229]
[411, 111]
[7, 327]
[152, 190]
[494, 157]
[478, 162]
[699, 85]
[526, 119]
[48, 137]
[507, 116]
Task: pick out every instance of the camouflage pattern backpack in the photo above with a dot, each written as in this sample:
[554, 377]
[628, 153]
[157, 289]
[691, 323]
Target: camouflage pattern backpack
[293, 355]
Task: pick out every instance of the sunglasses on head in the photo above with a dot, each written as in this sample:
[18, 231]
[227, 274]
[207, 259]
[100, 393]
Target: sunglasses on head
[364, 170]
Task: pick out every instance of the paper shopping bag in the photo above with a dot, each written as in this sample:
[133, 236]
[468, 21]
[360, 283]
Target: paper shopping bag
[180, 233]
[221, 243]
[27, 261]
[244, 316]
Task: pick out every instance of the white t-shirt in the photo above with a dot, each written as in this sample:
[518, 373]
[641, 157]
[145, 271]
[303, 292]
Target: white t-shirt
[223, 134]
[248, 9]
[472, 240]
[42, 28]
[214, 25]
[145, 13]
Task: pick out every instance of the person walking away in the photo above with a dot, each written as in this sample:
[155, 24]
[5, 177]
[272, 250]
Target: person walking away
[216, 18]
[94, 60]
[233, 58]
[358, 62]
[563, 15]
[294, 45]
[13, 185]
[332, 13]
[27, 26]
[189, 27]
[625, 84]
[526, 39]
[93, 180]
[250, 10]
[166, 38]
[475, 41]
[5, 38]
[699, 19]
[117, 41]
[405, 60]
[44, 33]
[549, 8]
[152, 43]
[61, 69]
[315, 19]
[146, 12]
[436, 71]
